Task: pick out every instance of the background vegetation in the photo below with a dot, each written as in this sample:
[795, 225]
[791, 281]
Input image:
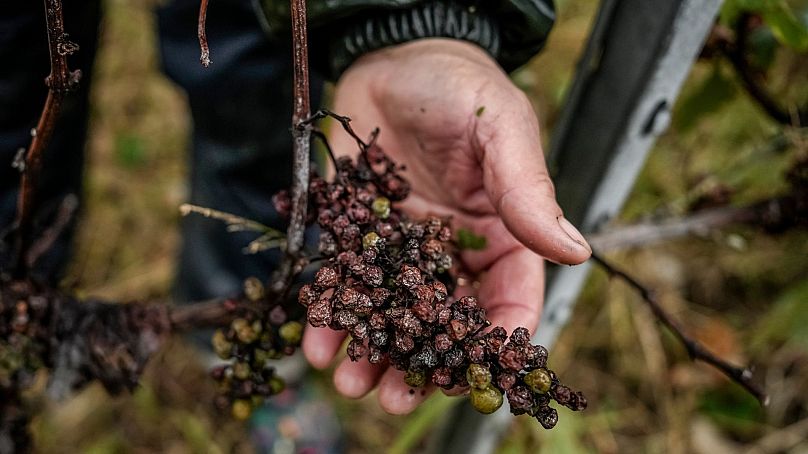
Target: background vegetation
[744, 293]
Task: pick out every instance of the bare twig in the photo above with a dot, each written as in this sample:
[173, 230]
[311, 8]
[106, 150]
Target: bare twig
[234, 223]
[697, 351]
[201, 32]
[324, 140]
[207, 314]
[60, 81]
[765, 213]
[346, 125]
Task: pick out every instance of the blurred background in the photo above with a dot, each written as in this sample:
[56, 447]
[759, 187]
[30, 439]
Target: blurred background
[742, 292]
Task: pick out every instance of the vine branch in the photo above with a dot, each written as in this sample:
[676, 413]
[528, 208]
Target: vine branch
[207, 314]
[697, 351]
[346, 125]
[60, 81]
[302, 144]
[773, 214]
[202, 34]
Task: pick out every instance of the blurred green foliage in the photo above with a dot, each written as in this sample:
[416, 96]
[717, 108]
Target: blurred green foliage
[786, 321]
[734, 410]
[786, 21]
[714, 92]
[129, 151]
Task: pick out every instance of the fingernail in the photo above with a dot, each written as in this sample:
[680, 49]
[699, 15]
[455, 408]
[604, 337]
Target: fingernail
[573, 233]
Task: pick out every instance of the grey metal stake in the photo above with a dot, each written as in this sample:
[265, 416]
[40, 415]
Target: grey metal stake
[637, 58]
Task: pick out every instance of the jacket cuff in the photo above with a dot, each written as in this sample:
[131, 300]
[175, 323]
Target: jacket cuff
[378, 29]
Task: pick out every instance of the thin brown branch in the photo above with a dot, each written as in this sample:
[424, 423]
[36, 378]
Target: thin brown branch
[302, 147]
[60, 81]
[207, 314]
[346, 125]
[701, 223]
[202, 33]
[697, 351]
[318, 134]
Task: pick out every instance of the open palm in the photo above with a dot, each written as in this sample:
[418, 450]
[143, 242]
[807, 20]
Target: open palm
[470, 142]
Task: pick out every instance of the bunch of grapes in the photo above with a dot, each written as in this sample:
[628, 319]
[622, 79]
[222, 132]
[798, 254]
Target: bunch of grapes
[388, 281]
[253, 338]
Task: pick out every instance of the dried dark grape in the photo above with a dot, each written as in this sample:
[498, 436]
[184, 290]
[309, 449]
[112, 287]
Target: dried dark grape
[548, 417]
[356, 349]
[520, 399]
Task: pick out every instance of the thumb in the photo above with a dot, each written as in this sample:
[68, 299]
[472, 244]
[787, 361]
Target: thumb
[519, 187]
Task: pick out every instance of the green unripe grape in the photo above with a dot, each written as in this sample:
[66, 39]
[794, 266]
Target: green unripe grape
[291, 332]
[539, 381]
[241, 370]
[238, 324]
[276, 385]
[260, 356]
[478, 376]
[370, 240]
[487, 400]
[257, 326]
[381, 207]
[258, 364]
[246, 334]
[221, 346]
[253, 289]
[241, 409]
[414, 378]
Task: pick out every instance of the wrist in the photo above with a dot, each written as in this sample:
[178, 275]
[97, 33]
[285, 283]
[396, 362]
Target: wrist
[386, 69]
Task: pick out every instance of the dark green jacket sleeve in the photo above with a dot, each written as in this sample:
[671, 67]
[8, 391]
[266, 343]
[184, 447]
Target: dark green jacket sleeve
[512, 31]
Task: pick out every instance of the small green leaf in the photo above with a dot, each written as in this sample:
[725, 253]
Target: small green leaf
[480, 111]
[466, 239]
[785, 26]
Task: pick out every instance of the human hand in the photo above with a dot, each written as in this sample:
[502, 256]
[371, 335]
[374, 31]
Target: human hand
[470, 141]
